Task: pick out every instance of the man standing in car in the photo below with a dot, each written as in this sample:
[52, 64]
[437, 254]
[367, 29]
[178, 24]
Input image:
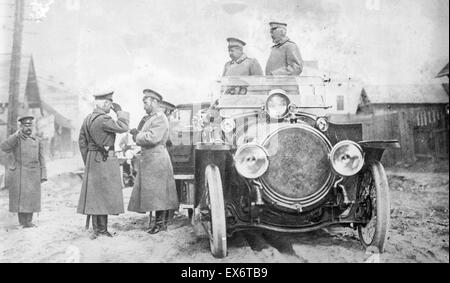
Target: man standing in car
[154, 189]
[101, 192]
[240, 64]
[285, 58]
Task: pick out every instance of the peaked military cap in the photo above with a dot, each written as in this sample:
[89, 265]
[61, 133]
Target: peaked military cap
[277, 25]
[25, 119]
[151, 93]
[235, 42]
[104, 95]
[167, 105]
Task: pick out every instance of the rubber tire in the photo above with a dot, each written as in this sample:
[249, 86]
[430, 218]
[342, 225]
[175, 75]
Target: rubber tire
[218, 239]
[383, 208]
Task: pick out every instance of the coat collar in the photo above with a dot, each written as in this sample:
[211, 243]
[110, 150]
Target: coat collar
[239, 60]
[154, 114]
[99, 111]
[281, 42]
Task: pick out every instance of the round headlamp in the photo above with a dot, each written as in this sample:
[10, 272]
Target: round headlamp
[347, 158]
[227, 125]
[277, 104]
[322, 124]
[251, 161]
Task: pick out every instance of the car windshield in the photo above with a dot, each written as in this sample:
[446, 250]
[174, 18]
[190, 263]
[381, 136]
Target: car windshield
[251, 91]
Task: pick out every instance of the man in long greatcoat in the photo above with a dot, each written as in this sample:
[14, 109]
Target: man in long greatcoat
[285, 58]
[101, 192]
[154, 189]
[240, 64]
[26, 173]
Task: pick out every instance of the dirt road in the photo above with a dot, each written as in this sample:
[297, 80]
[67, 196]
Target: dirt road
[419, 231]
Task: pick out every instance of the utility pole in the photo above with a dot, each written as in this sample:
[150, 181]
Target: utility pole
[14, 74]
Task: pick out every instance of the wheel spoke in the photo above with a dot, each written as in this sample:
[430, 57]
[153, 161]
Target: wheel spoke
[368, 195]
[373, 198]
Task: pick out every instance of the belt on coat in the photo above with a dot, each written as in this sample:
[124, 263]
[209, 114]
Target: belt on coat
[105, 153]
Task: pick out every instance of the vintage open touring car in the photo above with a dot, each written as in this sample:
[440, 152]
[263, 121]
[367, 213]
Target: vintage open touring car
[266, 156]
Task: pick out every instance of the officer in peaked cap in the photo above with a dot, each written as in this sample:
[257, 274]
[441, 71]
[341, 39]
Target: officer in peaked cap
[101, 192]
[274, 25]
[154, 188]
[105, 95]
[285, 58]
[153, 94]
[26, 120]
[240, 64]
[167, 107]
[22, 180]
[235, 42]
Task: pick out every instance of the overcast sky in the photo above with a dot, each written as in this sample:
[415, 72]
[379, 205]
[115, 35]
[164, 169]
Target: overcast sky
[178, 46]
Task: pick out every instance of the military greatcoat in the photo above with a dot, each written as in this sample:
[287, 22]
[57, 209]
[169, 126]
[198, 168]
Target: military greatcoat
[243, 66]
[24, 174]
[154, 188]
[285, 59]
[101, 192]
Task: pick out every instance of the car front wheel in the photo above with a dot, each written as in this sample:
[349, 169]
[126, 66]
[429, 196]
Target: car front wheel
[213, 212]
[375, 201]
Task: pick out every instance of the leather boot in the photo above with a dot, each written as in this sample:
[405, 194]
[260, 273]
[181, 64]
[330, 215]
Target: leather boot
[169, 216]
[164, 217]
[150, 218]
[21, 217]
[27, 219]
[100, 224]
[159, 223]
[103, 225]
[94, 227]
[30, 221]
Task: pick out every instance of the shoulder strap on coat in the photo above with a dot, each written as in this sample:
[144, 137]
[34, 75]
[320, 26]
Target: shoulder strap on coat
[88, 125]
[143, 121]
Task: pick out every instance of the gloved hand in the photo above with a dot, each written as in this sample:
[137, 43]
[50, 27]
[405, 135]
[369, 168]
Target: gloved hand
[21, 135]
[134, 132]
[116, 107]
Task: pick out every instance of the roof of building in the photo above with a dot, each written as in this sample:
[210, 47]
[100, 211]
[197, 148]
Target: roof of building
[59, 119]
[407, 94]
[29, 87]
[32, 88]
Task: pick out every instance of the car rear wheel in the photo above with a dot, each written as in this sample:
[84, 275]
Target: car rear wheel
[213, 215]
[374, 196]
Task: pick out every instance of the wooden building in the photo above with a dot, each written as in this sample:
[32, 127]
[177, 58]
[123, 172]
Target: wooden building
[54, 128]
[416, 115]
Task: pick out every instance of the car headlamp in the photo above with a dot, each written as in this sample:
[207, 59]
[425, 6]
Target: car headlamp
[292, 108]
[347, 158]
[277, 104]
[322, 124]
[227, 125]
[251, 161]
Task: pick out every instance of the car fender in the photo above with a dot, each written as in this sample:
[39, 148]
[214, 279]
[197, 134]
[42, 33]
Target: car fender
[374, 150]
